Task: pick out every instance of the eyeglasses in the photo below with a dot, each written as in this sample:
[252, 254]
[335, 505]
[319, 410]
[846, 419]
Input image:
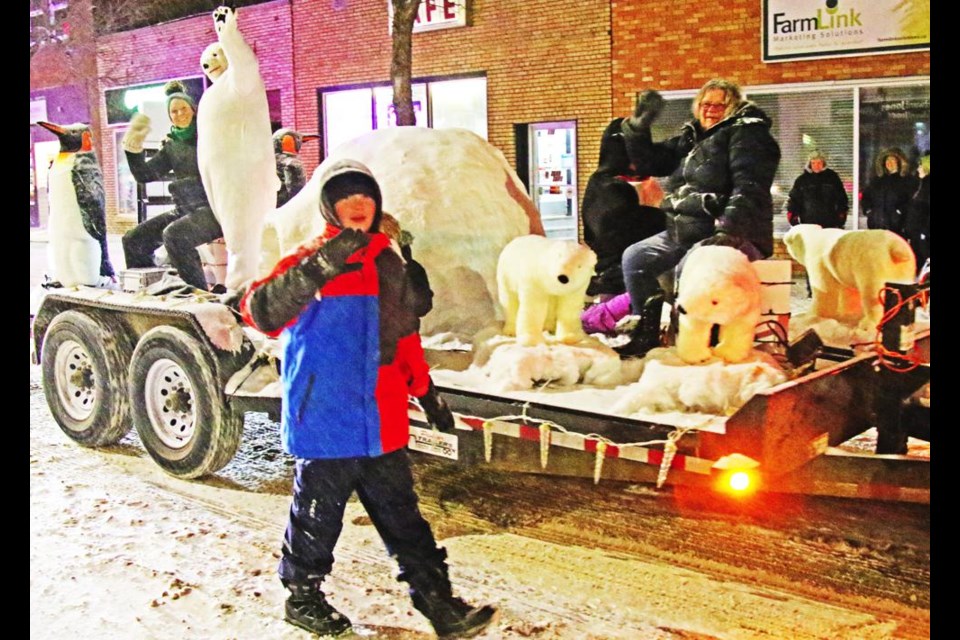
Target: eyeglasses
[712, 105]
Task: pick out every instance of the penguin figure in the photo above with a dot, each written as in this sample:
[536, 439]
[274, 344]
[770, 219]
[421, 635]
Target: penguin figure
[286, 146]
[77, 228]
[235, 146]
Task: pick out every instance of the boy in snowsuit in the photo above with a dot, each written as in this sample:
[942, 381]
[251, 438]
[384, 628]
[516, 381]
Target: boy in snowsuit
[346, 310]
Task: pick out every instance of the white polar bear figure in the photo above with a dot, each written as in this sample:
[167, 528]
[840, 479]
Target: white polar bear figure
[235, 146]
[848, 269]
[718, 285]
[453, 191]
[541, 285]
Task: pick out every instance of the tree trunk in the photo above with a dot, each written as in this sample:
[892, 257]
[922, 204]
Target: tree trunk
[404, 14]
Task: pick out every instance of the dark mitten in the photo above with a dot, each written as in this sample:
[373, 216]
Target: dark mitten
[420, 295]
[330, 260]
[722, 239]
[649, 105]
[435, 407]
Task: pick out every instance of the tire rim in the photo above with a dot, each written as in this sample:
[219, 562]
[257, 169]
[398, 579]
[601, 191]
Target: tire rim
[75, 381]
[169, 401]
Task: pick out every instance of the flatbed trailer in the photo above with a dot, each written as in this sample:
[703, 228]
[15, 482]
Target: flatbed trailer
[183, 371]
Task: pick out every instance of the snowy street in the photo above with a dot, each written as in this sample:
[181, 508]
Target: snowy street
[121, 550]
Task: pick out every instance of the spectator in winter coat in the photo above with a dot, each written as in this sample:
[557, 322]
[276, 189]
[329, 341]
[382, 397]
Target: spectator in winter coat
[721, 168]
[346, 308]
[885, 198]
[286, 146]
[818, 196]
[191, 223]
[917, 225]
[613, 218]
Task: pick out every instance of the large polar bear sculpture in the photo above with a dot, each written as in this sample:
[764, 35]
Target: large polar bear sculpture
[453, 191]
[541, 286]
[848, 269]
[718, 286]
[235, 146]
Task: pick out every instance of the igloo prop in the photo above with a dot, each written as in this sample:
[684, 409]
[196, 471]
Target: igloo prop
[541, 285]
[848, 269]
[458, 196]
[718, 286]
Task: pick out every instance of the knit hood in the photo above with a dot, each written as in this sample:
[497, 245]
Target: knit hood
[336, 173]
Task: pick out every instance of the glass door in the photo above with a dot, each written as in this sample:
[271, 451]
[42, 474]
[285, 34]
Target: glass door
[553, 176]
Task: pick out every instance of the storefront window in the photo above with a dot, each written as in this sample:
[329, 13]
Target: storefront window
[849, 124]
[349, 113]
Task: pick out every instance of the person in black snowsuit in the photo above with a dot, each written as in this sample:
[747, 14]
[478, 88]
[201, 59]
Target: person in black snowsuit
[917, 224]
[885, 198]
[818, 196]
[721, 168]
[191, 223]
[613, 218]
[286, 146]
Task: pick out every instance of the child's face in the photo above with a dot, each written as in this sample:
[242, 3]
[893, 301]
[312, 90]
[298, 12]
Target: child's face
[356, 212]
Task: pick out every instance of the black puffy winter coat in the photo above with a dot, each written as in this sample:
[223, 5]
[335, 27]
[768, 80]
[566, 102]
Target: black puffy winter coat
[818, 198]
[886, 197]
[720, 179]
[613, 218]
[178, 157]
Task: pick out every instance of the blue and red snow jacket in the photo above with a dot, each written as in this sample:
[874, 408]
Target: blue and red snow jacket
[351, 355]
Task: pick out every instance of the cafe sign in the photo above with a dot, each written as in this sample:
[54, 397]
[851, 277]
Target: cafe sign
[437, 14]
[799, 29]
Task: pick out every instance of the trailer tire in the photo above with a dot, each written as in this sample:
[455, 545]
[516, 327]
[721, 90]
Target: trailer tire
[179, 409]
[85, 378]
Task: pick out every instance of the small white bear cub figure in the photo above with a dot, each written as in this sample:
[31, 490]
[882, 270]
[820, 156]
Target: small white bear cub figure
[541, 285]
[848, 269]
[718, 285]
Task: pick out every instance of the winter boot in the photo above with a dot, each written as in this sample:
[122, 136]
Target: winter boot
[646, 335]
[308, 609]
[603, 317]
[450, 616]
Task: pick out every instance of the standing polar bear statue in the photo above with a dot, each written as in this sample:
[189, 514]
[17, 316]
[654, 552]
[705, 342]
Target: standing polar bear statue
[848, 269]
[718, 286]
[541, 285]
[235, 146]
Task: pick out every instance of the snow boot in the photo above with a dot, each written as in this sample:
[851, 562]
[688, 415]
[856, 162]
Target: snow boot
[646, 335]
[603, 316]
[307, 608]
[450, 616]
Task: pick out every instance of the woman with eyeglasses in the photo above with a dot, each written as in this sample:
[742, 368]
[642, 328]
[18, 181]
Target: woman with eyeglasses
[721, 167]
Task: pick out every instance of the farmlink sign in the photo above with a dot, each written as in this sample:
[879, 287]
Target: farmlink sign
[798, 29]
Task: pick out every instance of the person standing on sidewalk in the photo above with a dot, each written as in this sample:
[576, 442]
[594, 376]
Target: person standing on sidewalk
[346, 307]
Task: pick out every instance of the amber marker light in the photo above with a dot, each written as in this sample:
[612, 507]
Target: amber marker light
[738, 475]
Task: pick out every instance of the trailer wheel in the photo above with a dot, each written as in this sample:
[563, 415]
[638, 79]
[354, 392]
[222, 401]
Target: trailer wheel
[179, 410]
[85, 378]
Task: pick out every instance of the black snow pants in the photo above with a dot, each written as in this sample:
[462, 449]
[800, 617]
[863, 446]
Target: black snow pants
[180, 235]
[384, 485]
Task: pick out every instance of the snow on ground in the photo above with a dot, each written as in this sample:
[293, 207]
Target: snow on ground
[121, 551]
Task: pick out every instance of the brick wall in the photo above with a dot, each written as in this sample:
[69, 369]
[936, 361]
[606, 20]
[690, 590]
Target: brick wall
[543, 62]
[172, 50]
[682, 44]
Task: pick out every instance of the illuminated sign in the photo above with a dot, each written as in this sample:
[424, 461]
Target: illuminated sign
[800, 29]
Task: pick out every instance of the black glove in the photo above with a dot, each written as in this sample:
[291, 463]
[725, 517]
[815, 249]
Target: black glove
[419, 294]
[722, 239]
[435, 407]
[330, 260]
[649, 106]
